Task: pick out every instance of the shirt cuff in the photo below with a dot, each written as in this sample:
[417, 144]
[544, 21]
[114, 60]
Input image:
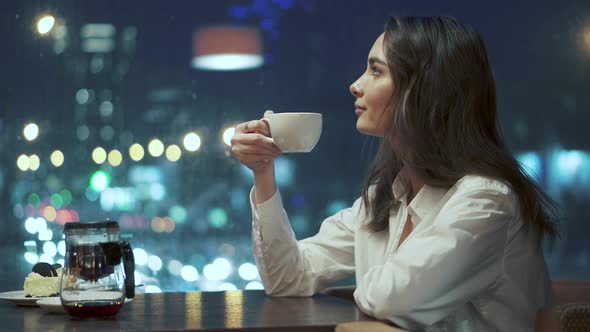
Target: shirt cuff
[270, 222]
[269, 209]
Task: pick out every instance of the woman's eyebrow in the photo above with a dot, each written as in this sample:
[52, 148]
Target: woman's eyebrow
[373, 60]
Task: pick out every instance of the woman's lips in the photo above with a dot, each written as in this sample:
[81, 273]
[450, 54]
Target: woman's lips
[359, 111]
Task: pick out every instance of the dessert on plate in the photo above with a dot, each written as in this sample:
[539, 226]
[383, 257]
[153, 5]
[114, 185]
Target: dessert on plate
[43, 280]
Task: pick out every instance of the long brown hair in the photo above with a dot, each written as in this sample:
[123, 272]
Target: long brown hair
[444, 116]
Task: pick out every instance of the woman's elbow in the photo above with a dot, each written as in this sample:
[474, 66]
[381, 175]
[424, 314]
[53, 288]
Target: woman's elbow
[384, 305]
[386, 311]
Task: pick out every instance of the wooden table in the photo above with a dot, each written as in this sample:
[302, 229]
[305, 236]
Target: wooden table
[242, 310]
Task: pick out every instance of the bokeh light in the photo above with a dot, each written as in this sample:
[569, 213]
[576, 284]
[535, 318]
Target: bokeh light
[50, 248]
[83, 132]
[91, 194]
[152, 289]
[298, 200]
[170, 224]
[63, 216]
[299, 223]
[106, 109]
[45, 235]
[67, 196]
[285, 171]
[173, 153]
[82, 97]
[156, 147]
[530, 163]
[44, 258]
[189, 273]
[107, 133]
[570, 168]
[165, 224]
[568, 162]
[136, 152]
[217, 217]
[178, 214]
[31, 258]
[49, 213]
[174, 267]
[23, 162]
[192, 142]
[335, 206]
[99, 155]
[141, 257]
[228, 133]
[74, 215]
[57, 158]
[31, 225]
[158, 225]
[154, 263]
[99, 181]
[220, 269]
[61, 248]
[45, 24]
[34, 162]
[138, 277]
[115, 158]
[56, 200]
[227, 286]
[31, 131]
[254, 285]
[34, 199]
[248, 271]
[157, 191]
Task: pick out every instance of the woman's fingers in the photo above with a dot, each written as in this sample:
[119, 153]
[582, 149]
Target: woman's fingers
[258, 140]
[252, 144]
[254, 126]
[241, 149]
[250, 160]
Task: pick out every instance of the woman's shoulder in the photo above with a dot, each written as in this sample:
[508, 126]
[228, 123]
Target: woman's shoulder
[474, 182]
[483, 190]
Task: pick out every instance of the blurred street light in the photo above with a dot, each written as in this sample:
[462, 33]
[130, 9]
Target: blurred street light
[192, 142]
[31, 131]
[45, 24]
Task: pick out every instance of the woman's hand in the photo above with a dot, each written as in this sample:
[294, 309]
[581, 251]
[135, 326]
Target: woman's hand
[253, 147]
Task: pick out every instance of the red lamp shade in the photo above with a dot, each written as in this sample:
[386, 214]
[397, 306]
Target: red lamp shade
[227, 48]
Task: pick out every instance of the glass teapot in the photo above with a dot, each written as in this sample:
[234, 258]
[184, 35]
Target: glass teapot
[98, 269]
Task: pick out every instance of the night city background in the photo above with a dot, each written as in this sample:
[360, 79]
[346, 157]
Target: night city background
[104, 114]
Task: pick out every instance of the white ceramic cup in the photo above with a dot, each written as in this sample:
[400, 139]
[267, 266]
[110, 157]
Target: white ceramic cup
[295, 132]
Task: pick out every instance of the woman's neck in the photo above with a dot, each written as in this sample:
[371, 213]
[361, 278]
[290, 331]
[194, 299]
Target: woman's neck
[415, 184]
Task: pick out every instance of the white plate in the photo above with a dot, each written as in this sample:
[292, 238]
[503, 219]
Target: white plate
[53, 304]
[19, 298]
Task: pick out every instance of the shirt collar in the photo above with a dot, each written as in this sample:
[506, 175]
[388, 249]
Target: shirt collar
[400, 186]
[425, 202]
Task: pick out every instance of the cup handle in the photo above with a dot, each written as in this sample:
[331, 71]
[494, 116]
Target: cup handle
[129, 266]
[265, 120]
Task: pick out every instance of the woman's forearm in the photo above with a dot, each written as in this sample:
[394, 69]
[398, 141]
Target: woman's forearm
[265, 184]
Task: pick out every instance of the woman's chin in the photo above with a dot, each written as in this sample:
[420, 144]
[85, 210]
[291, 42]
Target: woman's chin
[367, 130]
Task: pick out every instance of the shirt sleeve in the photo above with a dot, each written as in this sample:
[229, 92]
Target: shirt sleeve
[441, 268]
[289, 267]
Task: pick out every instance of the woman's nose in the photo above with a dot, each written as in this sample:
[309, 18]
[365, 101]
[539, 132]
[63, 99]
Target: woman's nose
[356, 89]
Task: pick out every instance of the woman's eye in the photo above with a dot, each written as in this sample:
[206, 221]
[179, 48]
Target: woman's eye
[375, 70]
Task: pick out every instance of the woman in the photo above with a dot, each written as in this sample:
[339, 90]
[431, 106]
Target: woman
[448, 231]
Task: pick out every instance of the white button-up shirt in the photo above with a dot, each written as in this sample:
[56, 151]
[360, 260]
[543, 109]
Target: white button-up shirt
[468, 264]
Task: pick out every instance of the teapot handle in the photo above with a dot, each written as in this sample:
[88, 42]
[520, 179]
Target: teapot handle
[129, 266]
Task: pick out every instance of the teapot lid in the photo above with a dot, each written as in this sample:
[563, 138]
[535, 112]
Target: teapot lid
[108, 224]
